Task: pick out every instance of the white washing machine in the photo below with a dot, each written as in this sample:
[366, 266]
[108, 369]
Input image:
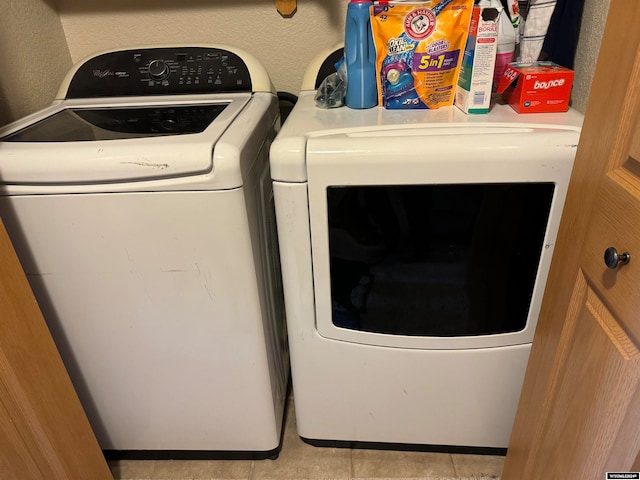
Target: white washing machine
[415, 249]
[141, 207]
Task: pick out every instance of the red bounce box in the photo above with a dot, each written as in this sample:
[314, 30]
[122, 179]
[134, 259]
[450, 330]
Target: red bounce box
[536, 87]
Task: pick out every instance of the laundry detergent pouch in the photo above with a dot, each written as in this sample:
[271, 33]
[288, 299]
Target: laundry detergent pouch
[419, 49]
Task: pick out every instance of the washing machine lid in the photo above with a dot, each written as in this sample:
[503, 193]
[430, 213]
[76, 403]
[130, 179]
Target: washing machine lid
[117, 139]
[113, 123]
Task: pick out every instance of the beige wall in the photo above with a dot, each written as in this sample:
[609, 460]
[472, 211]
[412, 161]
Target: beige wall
[46, 36]
[33, 59]
[283, 45]
[593, 20]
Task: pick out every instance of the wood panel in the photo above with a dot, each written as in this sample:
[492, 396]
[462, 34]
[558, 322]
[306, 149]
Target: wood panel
[44, 433]
[579, 408]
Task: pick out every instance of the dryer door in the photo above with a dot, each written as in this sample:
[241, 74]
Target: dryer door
[444, 246]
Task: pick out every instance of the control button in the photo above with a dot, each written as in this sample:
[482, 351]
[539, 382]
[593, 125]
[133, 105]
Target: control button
[158, 70]
[170, 124]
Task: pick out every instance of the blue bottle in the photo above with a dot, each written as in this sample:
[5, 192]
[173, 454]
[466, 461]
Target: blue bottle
[360, 56]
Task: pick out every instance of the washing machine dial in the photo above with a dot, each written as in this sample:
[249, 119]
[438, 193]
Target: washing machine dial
[170, 124]
[158, 70]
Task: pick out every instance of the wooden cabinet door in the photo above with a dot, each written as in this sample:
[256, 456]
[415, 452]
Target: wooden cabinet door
[44, 433]
[579, 412]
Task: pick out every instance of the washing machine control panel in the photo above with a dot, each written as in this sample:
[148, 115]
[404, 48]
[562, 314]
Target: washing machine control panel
[160, 71]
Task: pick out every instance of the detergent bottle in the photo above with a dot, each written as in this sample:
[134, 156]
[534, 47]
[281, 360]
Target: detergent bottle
[360, 56]
[506, 47]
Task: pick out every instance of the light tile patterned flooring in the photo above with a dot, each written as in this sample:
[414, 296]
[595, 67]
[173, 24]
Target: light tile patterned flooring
[300, 461]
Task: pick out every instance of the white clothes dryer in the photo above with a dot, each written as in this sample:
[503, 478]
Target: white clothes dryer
[415, 249]
[141, 207]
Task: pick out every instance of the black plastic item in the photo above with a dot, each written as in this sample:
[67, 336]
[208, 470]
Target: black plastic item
[409, 447]
[287, 102]
[190, 454]
[160, 71]
[328, 66]
[91, 124]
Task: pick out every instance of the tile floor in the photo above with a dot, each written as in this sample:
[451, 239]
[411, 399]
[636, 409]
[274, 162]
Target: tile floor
[300, 461]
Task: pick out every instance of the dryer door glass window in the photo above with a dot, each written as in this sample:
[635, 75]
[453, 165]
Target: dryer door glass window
[81, 125]
[435, 260]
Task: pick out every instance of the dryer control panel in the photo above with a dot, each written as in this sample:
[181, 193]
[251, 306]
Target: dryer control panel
[160, 71]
